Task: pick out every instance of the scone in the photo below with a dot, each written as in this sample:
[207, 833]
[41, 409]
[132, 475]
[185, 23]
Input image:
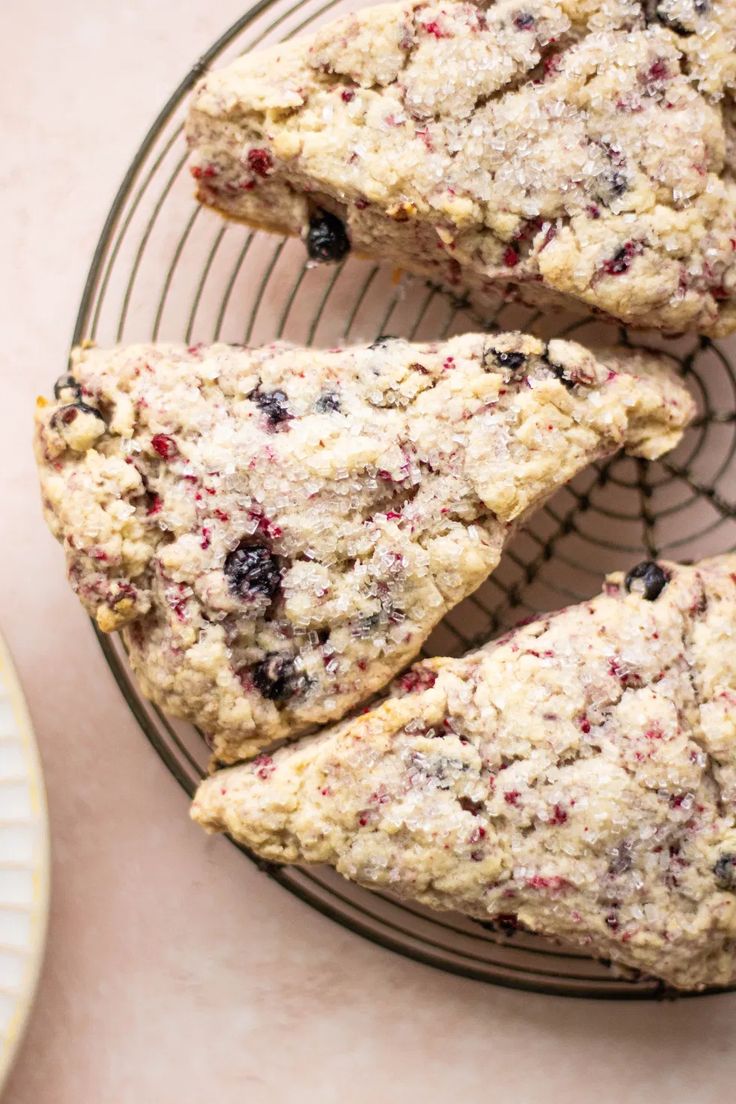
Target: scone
[576, 149]
[277, 530]
[577, 778]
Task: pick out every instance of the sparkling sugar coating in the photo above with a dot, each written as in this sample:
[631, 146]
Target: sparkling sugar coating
[277, 530]
[581, 148]
[577, 779]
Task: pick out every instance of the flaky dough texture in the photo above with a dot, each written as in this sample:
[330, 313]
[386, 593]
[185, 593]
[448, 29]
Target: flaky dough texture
[576, 778]
[277, 530]
[567, 149]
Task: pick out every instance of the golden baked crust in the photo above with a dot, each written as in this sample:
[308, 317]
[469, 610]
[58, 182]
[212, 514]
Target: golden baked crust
[277, 530]
[577, 777]
[576, 149]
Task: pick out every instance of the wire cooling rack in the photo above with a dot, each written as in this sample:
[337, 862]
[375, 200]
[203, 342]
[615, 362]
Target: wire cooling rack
[164, 268]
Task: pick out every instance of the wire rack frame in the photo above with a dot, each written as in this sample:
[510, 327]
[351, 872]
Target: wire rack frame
[165, 268]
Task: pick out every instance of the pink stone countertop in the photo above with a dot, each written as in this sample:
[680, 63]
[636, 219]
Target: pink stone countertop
[175, 971]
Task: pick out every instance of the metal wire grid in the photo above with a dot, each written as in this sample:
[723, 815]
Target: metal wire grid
[221, 282]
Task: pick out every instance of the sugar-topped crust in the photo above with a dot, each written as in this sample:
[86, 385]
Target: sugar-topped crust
[277, 530]
[576, 149]
[576, 778]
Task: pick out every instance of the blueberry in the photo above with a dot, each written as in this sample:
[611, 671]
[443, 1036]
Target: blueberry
[618, 184]
[327, 238]
[505, 922]
[273, 404]
[252, 571]
[674, 25]
[365, 625]
[67, 383]
[647, 579]
[512, 362]
[655, 10]
[65, 415]
[275, 677]
[725, 871]
[328, 403]
[523, 21]
[559, 372]
[621, 859]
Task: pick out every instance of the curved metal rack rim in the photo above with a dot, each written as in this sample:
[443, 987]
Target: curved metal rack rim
[363, 916]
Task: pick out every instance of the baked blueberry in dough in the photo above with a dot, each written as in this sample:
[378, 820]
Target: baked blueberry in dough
[576, 778]
[576, 149]
[276, 531]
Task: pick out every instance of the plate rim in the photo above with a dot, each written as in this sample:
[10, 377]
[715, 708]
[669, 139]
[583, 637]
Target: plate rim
[40, 863]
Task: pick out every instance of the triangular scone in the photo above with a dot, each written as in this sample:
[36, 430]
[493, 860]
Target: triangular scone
[577, 148]
[577, 778]
[277, 530]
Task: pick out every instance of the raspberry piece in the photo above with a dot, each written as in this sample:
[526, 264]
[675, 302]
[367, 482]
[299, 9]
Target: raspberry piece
[260, 161]
[164, 445]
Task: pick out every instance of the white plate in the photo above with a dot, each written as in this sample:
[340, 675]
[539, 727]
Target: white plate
[24, 863]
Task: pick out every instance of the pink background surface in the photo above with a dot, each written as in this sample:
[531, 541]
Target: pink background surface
[175, 971]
